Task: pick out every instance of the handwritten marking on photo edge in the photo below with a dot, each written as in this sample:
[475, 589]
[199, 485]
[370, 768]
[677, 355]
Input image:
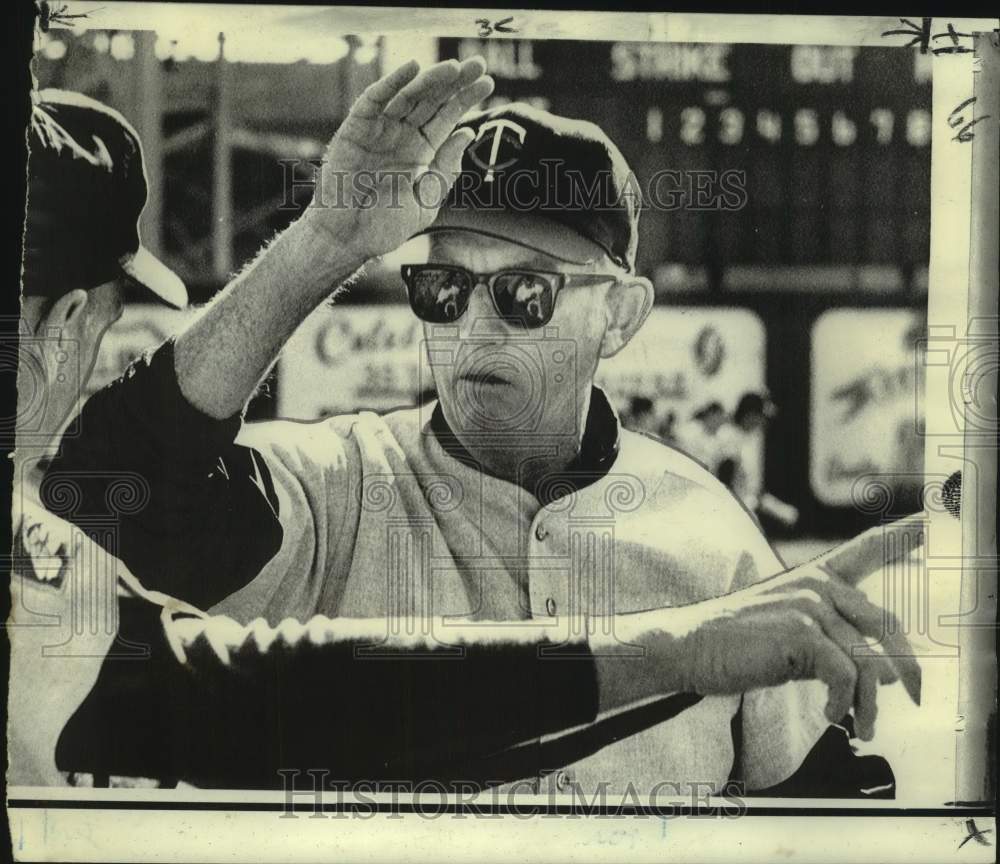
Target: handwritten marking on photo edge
[975, 834]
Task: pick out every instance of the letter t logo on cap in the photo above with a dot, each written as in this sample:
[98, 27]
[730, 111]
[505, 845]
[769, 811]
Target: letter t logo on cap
[499, 125]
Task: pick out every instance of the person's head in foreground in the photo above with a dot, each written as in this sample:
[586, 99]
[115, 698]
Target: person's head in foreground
[82, 252]
[530, 280]
[754, 411]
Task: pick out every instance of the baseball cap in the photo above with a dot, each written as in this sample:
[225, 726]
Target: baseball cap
[86, 189]
[551, 183]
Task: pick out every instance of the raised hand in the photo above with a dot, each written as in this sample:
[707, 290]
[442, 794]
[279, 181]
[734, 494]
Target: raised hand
[396, 155]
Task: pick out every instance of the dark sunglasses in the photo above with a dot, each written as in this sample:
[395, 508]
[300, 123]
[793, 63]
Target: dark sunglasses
[439, 293]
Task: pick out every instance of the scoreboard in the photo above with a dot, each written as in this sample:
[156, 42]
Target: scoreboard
[827, 147]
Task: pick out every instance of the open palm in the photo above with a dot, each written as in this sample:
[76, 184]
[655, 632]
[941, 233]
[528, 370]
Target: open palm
[396, 155]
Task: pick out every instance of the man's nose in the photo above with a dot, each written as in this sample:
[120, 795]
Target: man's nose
[481, 318]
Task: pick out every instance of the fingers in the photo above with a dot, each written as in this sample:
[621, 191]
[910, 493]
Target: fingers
[878, 623]
[448, 160]
[847, 565]
[866, 698]
[875, 548]
[887, 674]
[440, 125]
[840, 675]
[870, 666]
[377, 95]
[431, 99]
[430, 103]
[471, 69]
[435, 84]
[444, 169]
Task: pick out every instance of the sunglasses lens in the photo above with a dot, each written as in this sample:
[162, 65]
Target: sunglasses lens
[438, 295]
[527, 298]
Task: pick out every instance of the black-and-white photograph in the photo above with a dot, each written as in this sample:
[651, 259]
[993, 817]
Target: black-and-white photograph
[434, 416]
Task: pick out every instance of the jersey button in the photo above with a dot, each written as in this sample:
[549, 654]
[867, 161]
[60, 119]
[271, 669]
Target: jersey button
[550, 606]
[541, 532]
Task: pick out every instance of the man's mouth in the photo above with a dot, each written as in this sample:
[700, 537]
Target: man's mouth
[487, 378]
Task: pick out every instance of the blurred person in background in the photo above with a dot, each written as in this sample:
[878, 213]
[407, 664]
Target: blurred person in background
[740, 459]
[699, 437]
[668, 427]
[639, 415]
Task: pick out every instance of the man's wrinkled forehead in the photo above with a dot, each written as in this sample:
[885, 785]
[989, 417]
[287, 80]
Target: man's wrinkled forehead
[468, 249]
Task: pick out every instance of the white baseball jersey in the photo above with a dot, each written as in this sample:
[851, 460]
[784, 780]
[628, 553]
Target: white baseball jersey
[379, 520]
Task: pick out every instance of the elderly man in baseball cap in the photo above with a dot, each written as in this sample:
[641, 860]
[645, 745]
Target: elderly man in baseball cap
[514, 497]
[531, 282]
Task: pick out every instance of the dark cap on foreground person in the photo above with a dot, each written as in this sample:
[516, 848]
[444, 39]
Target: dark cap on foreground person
[86, 190]
[557, 185]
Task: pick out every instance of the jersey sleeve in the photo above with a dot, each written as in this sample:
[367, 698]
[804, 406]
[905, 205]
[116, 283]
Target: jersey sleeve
[316, 475]
[166, 488]
[224, 705]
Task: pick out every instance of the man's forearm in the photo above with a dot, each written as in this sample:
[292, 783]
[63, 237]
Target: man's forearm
[413, 707]
[222, 356]
[639, 656]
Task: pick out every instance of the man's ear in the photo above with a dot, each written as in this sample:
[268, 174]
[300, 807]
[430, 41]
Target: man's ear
[66, 315]
[629, 302]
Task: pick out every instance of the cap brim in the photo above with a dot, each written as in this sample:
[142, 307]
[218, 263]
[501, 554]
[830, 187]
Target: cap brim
[530, 230]
[148, 271]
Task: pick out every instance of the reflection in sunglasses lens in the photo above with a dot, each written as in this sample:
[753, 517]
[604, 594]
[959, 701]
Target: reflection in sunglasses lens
[526, 297]
[441, 295]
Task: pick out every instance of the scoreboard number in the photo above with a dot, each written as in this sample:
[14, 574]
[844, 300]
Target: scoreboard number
[731, 126]
[769, 125]
[843, 129]
[918, 127]
[881, 119]
[693, 125]
[806, 127]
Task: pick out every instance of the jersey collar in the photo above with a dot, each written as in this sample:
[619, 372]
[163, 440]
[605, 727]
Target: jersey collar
[598, 451]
